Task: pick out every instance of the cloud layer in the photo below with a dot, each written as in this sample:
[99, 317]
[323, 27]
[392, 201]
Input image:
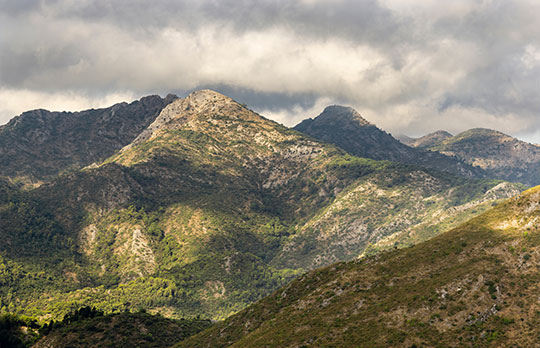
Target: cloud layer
[408, 66]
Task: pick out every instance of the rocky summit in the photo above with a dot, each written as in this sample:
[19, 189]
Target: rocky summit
[428, 140]
[203, 207]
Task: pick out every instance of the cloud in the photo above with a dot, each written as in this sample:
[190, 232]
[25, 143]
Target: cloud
[11, 101]
[408, 66]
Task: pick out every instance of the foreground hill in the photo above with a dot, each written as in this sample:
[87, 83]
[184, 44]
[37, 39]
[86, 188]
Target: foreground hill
[346, 128]
[209, 209]
[40, 144]
[121, 330]
[474, 286]
[499, 155]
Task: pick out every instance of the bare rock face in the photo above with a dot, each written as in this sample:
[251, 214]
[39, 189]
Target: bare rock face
[176, 114]
[211, 208]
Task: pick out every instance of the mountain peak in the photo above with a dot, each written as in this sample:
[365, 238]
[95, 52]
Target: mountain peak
[429, 140]
[442, 133]
[345, 127]
[201, 105]
[482, 132]
[342, 113]
[205, 97]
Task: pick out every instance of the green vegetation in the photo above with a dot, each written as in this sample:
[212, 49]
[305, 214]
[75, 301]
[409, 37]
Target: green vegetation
[51, 143]
[468, 287]
[213, 209]
[17, 332]
[90, 328]
[344, 127]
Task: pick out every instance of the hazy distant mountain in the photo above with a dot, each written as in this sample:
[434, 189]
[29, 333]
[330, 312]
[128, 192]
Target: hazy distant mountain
[39, 144]
[474, 286]
[211, 207]
[404, 138]
[500, 155]
[429, 140]
[346, 128]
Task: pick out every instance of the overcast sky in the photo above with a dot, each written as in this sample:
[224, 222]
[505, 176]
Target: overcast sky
[409, 66]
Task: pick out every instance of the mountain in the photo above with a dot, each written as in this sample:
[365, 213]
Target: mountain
[346, 128]
[120, 330]
[208, 209]
[474, 286]
[404, 138]
[39, 144]
[499, 155]
[428, 140]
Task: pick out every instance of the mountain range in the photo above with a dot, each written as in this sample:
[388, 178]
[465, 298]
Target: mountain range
[347, 129]
[499, 155]
[199, 206]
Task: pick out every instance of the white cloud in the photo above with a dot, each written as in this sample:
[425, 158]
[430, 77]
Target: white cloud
[407, 65]
[13, 102]
[294, 115]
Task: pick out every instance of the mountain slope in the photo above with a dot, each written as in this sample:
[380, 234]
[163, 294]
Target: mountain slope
[346, 128]
[474, 286]
[428, 140]
[197, 216]
[120, 330]
[39, 144]
[500, 155]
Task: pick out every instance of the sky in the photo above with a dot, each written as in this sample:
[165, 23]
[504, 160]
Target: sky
[409, 66]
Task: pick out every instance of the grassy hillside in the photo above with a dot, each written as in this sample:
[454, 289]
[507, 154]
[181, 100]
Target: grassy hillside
[474, 286]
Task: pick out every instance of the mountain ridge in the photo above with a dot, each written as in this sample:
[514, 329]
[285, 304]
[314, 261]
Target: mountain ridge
[501, 156]
[428, 140]
[39, 144]
[345, 128]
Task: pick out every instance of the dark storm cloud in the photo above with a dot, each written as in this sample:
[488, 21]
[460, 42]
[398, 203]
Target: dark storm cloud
[410, 66]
